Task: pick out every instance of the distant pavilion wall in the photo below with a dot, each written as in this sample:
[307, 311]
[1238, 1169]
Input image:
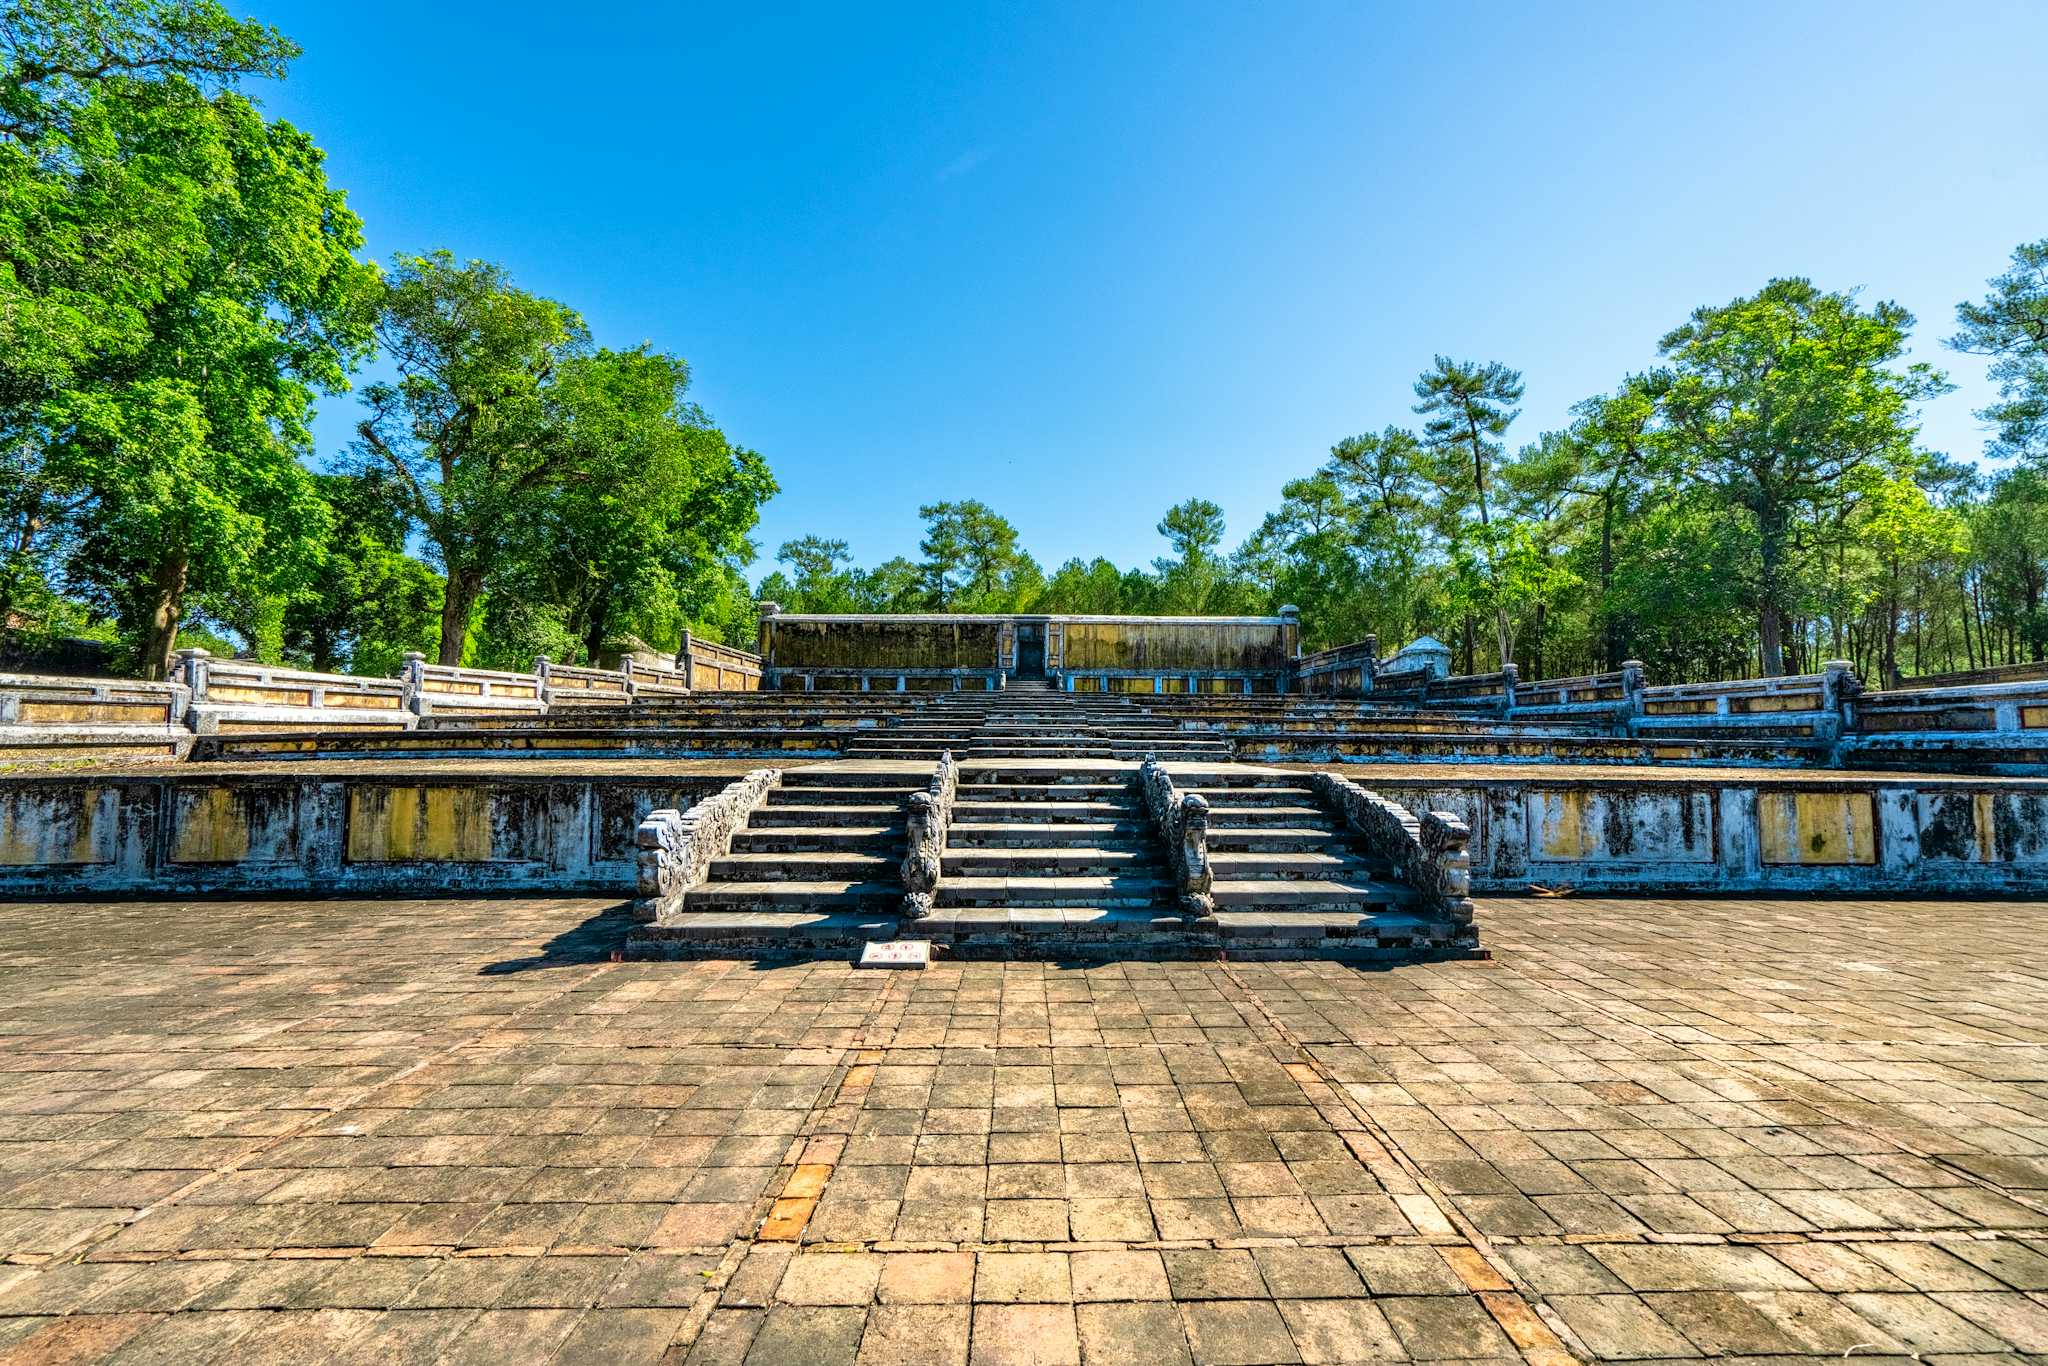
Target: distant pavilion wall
[811, 652]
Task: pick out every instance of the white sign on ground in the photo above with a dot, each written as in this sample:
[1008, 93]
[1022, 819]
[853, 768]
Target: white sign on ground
[897, 953]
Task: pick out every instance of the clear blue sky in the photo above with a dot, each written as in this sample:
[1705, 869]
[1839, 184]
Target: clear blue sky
[1084, 261]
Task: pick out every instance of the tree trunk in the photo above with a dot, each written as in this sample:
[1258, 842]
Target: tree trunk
[458, 598]
[1770, 519]
[167, 608]
[1610, 628]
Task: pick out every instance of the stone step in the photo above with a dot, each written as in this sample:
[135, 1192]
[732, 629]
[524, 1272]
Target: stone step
[1038, 834]
[1012, 813]
[816, 838]
[780, 816]
[819, 866]
[1242, 798]
[807, 779]
[1323, 894]
[1057, 861]
[1262, 817]
[1033, 792]
[1289, 865]
[787, 895]
[1274, 838]
[1134, 889]
[842, 796]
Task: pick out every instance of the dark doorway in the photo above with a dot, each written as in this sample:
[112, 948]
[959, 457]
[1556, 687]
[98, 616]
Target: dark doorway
[1030, 651]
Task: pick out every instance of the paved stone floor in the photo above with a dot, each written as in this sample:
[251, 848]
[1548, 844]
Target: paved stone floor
[458, 1131]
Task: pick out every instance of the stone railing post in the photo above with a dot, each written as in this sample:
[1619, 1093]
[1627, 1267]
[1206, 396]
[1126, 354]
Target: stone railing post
[413, 673]
[190, 669]
[683, 664]
[544, 690]
[1510, 676]
[1632, 685]
[929, 814]
[1839, 688]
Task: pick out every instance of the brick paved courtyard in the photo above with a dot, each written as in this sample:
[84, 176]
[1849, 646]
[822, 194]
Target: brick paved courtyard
[459, 1131]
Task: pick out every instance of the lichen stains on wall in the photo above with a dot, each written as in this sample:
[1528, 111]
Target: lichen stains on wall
[65, 825]
[394, 824]
[1582, 824]
[1817, 828]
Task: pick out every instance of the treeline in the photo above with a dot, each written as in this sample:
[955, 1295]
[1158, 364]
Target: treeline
[178, 281]
[1758, 502]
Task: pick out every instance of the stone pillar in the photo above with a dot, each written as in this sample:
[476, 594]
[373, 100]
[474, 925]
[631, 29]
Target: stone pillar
[413, 674]
[190, 669]
[1838, 688]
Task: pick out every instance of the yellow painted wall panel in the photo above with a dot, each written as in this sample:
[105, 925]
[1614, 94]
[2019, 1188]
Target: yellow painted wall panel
[56, 827]
[209, 826]
[1784, 701]
[2034, 718]
[392, 824]
[1817, 828]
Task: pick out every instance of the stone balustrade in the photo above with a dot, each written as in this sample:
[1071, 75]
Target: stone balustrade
[929, 815]
[676, 847]
[1182, 820]
[1429, 851]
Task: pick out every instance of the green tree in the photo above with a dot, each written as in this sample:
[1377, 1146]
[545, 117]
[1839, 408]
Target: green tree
[648, 510]
[820, 583]
[371, 603]
[1189, 581]
[177, 280]
[2010, 325]
[1467, 409]
[467, 431]
[971, 557]
[1776, 400]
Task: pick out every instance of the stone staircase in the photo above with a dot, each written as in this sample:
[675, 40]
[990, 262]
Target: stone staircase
[1286, 869]
[826, 840]
[1031, 719]
[1047, 858]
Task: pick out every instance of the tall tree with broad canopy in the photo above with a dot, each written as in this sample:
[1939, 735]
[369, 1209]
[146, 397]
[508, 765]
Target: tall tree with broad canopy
[2010, 325]
[467, 432]
[971, 558]
[1467, 408]
[1776, 401]
[177, 280]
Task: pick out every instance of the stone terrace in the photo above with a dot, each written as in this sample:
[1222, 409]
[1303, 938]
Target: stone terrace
[460, 1131]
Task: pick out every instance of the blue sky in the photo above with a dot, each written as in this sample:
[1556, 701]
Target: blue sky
[1084, 261]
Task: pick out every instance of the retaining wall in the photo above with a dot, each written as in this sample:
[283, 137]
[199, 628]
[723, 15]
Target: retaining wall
[317, 835]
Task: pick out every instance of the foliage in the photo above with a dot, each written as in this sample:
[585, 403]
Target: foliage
[2011, 326]
[176, 281]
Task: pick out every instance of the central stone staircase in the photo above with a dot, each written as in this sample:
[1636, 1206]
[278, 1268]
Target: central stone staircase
[1032, 719]
[1048, 857]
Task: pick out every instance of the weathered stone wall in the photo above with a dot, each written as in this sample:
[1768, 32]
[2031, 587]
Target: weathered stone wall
[1817, 833]
[168, 833]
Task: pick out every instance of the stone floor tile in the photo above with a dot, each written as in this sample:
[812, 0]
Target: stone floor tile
[1213, 1274]
[1025, 1335]
[1340, 1331]
[807, 1335]
[1444, 1327]
[916, 1335]
[1237, 1333]
[1131, 1335]
[1619, 1327]
[819, 1278]
[1302, 1273]
[1131, 1274]
[1022, 1278]
[1405, 1270]
[926, 1278]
